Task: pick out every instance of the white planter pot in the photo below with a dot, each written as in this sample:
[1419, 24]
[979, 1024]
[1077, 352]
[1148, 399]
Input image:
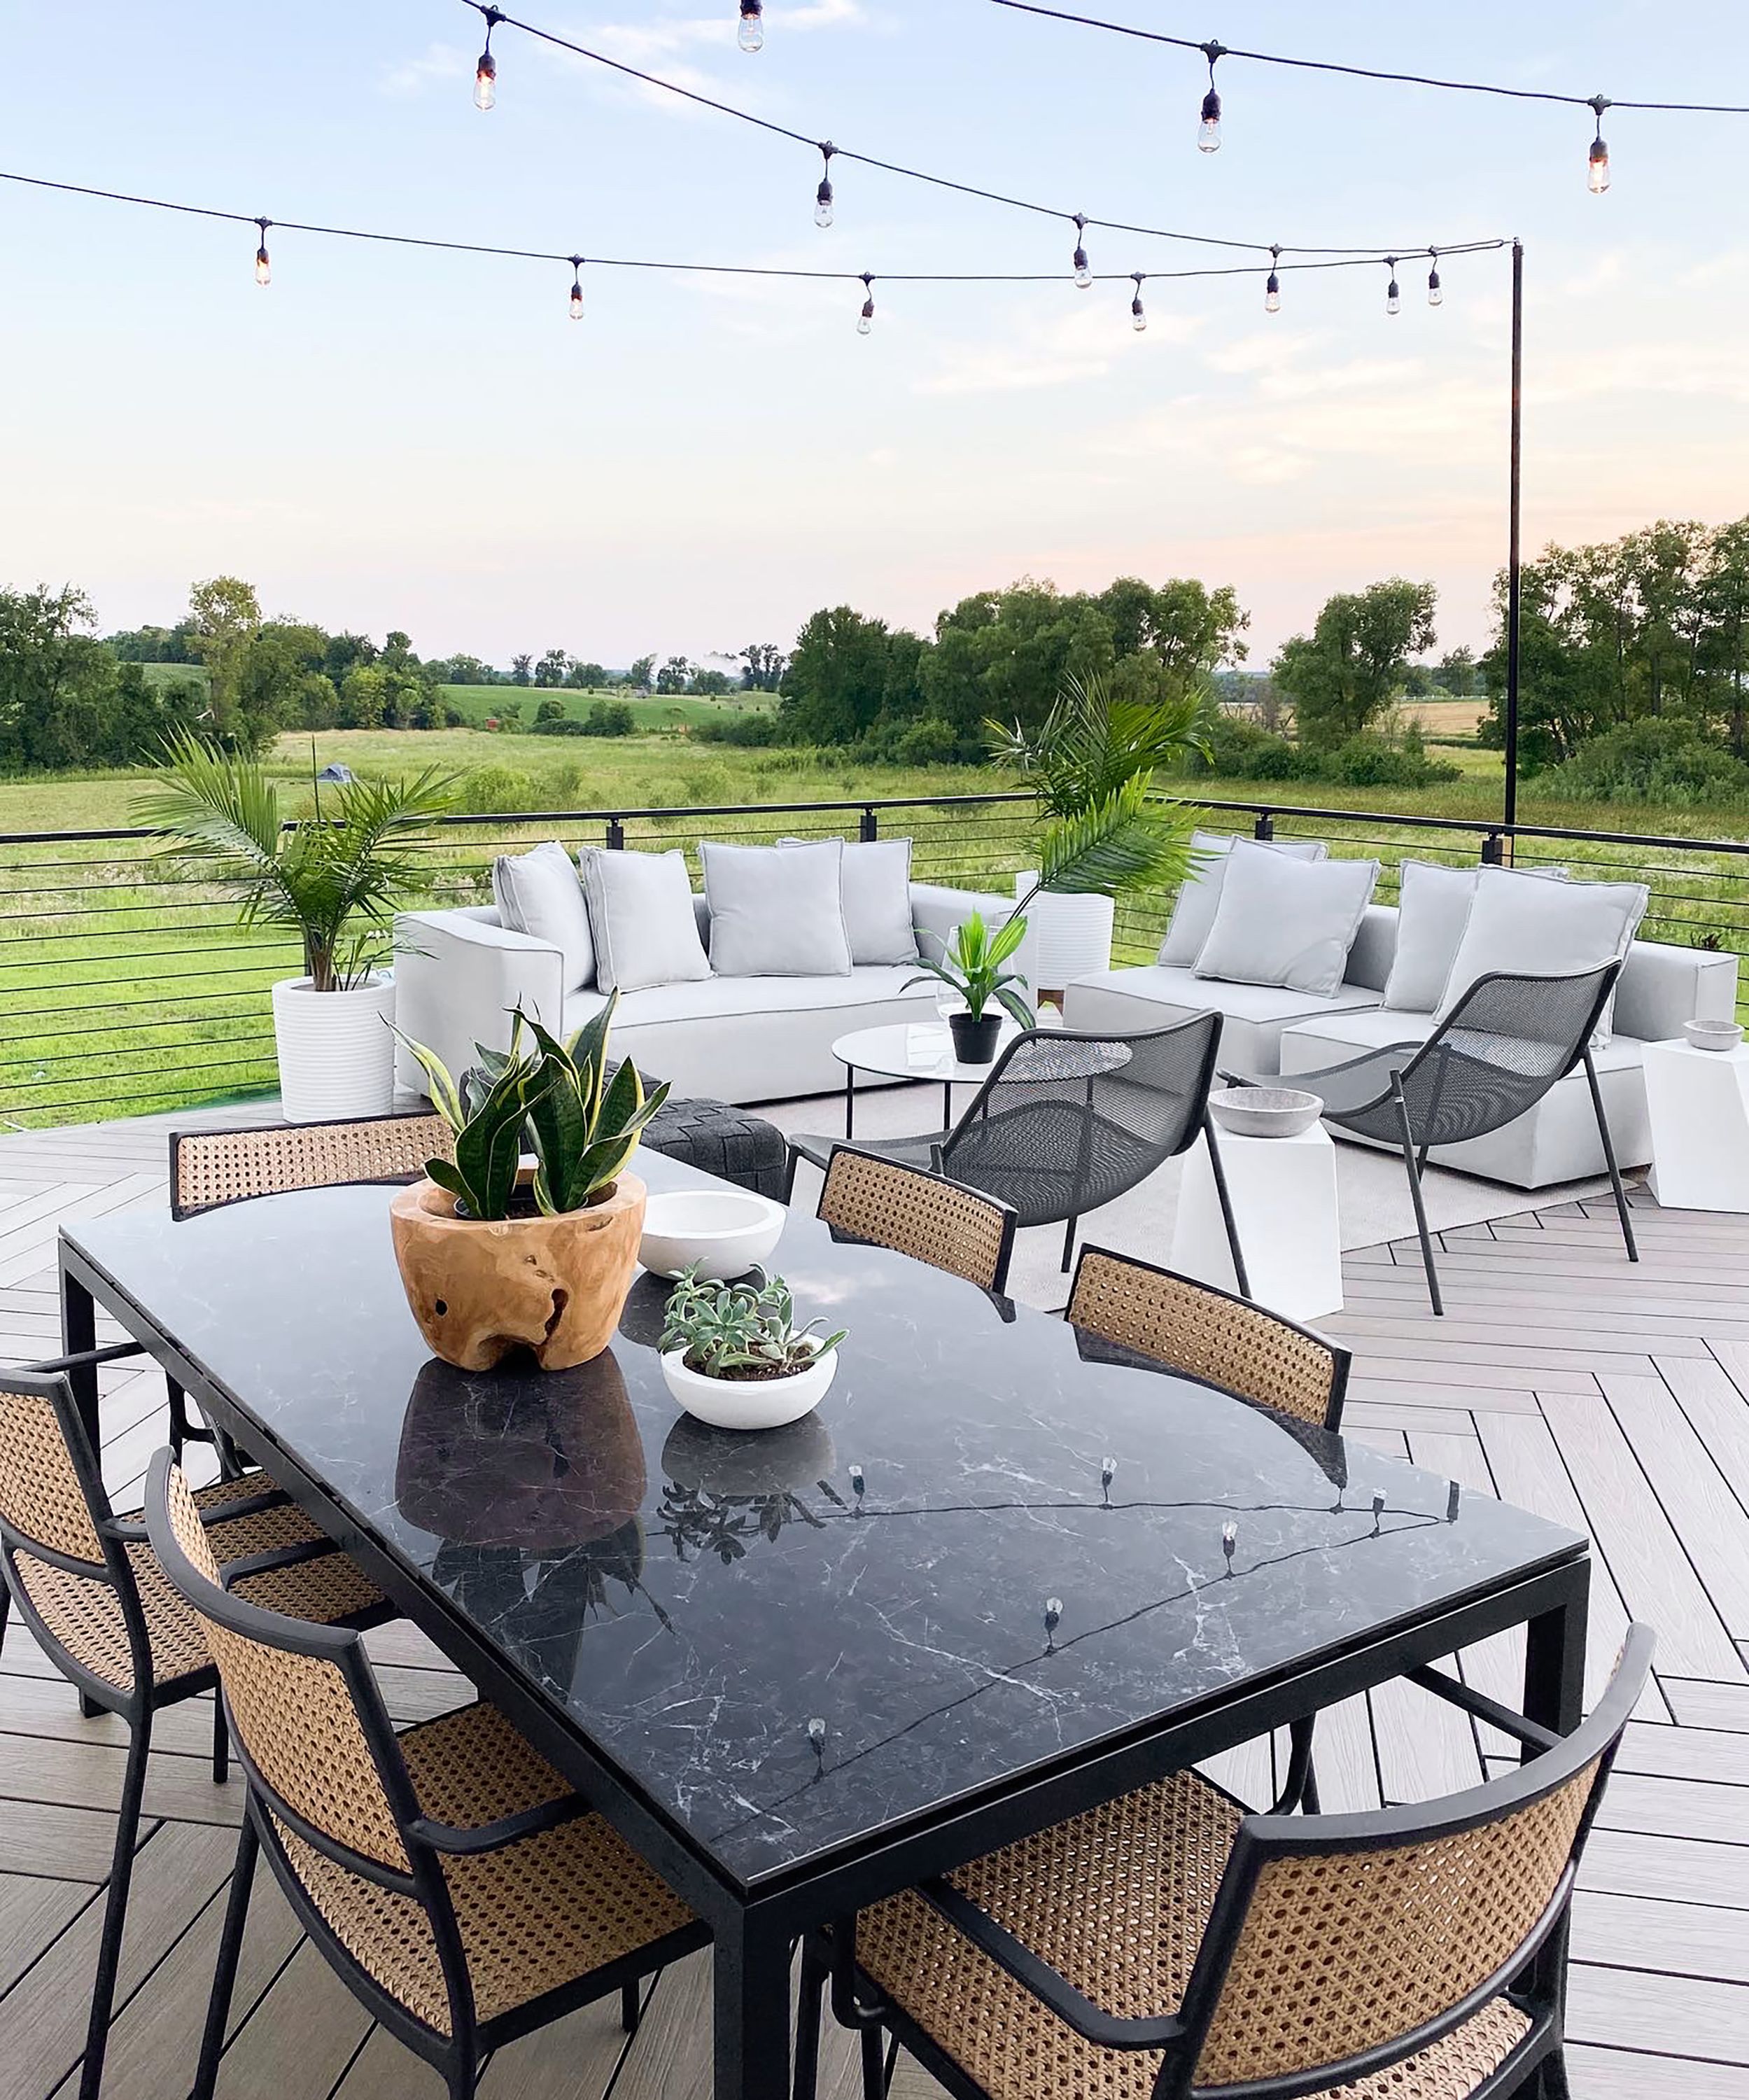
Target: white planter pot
[1066, 937]
[764, 1404]
[337, 1056]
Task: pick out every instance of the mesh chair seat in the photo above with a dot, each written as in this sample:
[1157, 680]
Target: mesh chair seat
[1116, 1901]
[86, 1615]
[534, 1916]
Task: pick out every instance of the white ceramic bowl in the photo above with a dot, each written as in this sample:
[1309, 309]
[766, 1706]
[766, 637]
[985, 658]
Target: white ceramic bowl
[759, 1404]
[1264, 1111]
[726, 1231]
[1713, 1035]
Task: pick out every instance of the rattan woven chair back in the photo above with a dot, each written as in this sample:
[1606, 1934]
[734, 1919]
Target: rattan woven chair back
[1069, 1121]
[922, 1214]
[1339, 1945]
[1210, 1335]
[209, 1168]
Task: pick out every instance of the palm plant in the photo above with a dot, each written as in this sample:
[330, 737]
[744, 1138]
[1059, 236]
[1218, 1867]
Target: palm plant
[333, 879]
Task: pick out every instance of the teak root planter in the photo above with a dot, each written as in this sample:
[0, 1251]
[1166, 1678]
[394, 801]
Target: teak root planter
[554, 1286]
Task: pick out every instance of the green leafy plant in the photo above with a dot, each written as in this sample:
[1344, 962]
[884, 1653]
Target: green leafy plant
[333, 878]
[553, 1098]
[744, 1330]
[972, 966]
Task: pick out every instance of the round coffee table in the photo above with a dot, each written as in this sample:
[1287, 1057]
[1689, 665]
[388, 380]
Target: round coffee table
[911, 1050]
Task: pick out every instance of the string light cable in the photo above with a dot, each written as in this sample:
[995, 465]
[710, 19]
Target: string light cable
[1209, 130]
[1084, 277]
[496, 18]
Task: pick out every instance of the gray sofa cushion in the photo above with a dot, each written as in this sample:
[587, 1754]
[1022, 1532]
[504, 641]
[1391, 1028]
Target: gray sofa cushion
[1132, 1001]
[641, 916]
[1277, 923]
[877, 894]
[1199, 896]
[1544, 928]
[540, 893]
[776, 910]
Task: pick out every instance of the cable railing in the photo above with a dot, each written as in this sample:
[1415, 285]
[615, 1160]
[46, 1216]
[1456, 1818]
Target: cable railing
[127, 987]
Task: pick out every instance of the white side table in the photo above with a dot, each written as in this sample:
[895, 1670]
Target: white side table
[1284, 1198]
[1698, 1103]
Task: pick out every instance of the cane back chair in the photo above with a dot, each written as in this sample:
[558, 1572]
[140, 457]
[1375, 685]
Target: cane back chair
[1169, 1943]
[1506, 1043]
[867, 1197]
[88, 1586]
[453, 1880]
[1067, 1122]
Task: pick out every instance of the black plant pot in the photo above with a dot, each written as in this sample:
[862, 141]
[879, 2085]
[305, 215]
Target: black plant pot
[975, 1040]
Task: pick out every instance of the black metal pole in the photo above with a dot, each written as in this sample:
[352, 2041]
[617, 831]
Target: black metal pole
[1514, 574]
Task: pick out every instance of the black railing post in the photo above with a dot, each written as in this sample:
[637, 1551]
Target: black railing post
[615, 835]
[1264, 825]
[869, 829]
[1514, 563]
[1493, 850]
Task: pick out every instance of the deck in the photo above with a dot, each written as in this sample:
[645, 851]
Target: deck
[1612, 1398]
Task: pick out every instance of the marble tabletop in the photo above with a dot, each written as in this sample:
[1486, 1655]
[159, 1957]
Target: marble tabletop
[994, 1545]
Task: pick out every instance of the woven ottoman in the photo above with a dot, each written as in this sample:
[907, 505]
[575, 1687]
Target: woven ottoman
[722, 1141]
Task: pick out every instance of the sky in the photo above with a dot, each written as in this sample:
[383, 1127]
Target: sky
[388, 438]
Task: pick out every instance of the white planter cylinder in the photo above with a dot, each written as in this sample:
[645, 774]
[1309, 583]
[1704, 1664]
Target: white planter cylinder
[1066, 937]
[337, 1056]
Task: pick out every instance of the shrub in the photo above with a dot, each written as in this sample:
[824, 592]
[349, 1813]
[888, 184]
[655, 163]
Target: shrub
[756, 730]
[549, 711]
[609, 718]
[560, 725]
[496, 790]
[1370, 760]
[1649, 762]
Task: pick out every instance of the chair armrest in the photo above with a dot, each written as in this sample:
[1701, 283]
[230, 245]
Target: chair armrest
[1661, 986]
[1356, 1083]
[937, 910]
[507, 1830]
[459, 978]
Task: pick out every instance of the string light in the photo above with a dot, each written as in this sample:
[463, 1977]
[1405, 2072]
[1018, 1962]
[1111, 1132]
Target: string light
[822, 198]
[1139, 322]
[1597, 164]
[486, 72]
[865, 320]
[1392, 290]
[1209, 130]
[1272, 285]
[751, 35]
[1083, 269]
[1435, 290]
[263, 268]
[576, 288]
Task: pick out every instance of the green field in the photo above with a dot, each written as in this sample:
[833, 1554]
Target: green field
[123, 988]
[480, 703]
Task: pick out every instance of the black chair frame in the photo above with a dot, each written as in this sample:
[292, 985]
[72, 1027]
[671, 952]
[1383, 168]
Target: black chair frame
[1534, 1979]
[459, 2057]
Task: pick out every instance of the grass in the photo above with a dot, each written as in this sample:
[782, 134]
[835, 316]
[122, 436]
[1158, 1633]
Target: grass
[124, 989]
[480, 703]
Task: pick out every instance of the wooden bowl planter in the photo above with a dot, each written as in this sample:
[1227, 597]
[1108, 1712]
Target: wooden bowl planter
[554, 1286]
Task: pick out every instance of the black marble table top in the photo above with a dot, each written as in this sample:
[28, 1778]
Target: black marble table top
[990, 1549]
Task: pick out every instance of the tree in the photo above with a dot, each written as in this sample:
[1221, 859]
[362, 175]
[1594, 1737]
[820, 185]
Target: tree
[1456, 672]
[343, 651]
[550, 710]
[224, 615]
[519, 669]
[711, 685]
[675, 676]
[280, 678]
[847, 674]
[363, 698]
[1342, 676]
[642, 674]
[586, 678]
[762, 667]
[551, 669]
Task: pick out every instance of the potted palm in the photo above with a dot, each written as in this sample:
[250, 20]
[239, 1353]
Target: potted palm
[732, 1355]
[332, 879]
[1104, 833]
[972, 966]
[494, 1253]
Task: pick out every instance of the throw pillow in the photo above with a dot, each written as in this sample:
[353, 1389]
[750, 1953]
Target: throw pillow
[1286, 922]
[1545, 930]
[540, 895]
[1200, 897]
[641, 913]
[877, 894]
[776, 911]
[1433, 908]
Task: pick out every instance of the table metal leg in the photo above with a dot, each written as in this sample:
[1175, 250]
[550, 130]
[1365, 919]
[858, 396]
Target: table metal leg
[947, 1104]
[79, 1334]
[1554, 1695]
[850, 1100]
[752, 2015]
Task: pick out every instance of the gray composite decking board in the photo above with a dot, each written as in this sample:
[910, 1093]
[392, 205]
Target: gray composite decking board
[37, 1837]
[1619, 2074]
[307, 2003]
[1675, 1808]
[1364, 1414]
[1467, 1339]
[1692, 1939]
[1687, 1752]
[1677, 1869]
[89, 1774]
[1712, 1402]
[33, 1912]
[1697, 1702]
[1496, 1666]
[1417, 1393]
[1711, 1524]
[1457, 1373]
[1635, 2009]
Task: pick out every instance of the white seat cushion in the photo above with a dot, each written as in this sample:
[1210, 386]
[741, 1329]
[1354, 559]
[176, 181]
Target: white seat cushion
[1132, 1001]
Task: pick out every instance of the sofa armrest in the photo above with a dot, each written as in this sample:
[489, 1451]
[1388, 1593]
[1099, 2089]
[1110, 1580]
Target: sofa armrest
[458, 977]
[1662, 986]
[937, 910]
[1375, 948]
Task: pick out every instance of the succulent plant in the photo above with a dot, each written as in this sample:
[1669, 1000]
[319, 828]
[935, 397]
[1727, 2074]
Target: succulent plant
[741, 1330]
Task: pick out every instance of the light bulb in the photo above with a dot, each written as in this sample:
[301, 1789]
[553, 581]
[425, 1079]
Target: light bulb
[1393, 297]
[865, 320]
[1435, 290]
[1208, 130]
[263, 268]
[576, 289]
[1598, 167]
[1137, 316]
[486, 81]
[1083, 271]
[751, 36]
[1272, 294]
[822, 204]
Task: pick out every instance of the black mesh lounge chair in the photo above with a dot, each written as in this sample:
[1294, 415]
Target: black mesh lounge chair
[1505, 1043]
[1067, 1122]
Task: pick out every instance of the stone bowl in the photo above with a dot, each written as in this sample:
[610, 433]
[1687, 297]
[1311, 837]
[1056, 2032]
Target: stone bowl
[1264, 1111]
[1713, 1035]
[725, 1232]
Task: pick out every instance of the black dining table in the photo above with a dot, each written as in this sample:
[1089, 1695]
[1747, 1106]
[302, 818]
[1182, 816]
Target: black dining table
[1003, 1573]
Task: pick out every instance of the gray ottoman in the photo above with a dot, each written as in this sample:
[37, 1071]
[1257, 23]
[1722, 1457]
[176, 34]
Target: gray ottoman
[725, 1141]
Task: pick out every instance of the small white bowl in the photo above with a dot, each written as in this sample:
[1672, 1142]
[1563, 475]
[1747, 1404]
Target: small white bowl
[1264, 1111]
[750, 1404]
[1713, 1035]
[725, 1231]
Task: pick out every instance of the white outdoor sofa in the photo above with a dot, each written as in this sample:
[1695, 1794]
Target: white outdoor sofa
[1269, 1031]
[460, 974]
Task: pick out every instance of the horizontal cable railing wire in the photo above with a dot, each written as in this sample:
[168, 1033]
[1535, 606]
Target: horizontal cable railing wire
[127, 987]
